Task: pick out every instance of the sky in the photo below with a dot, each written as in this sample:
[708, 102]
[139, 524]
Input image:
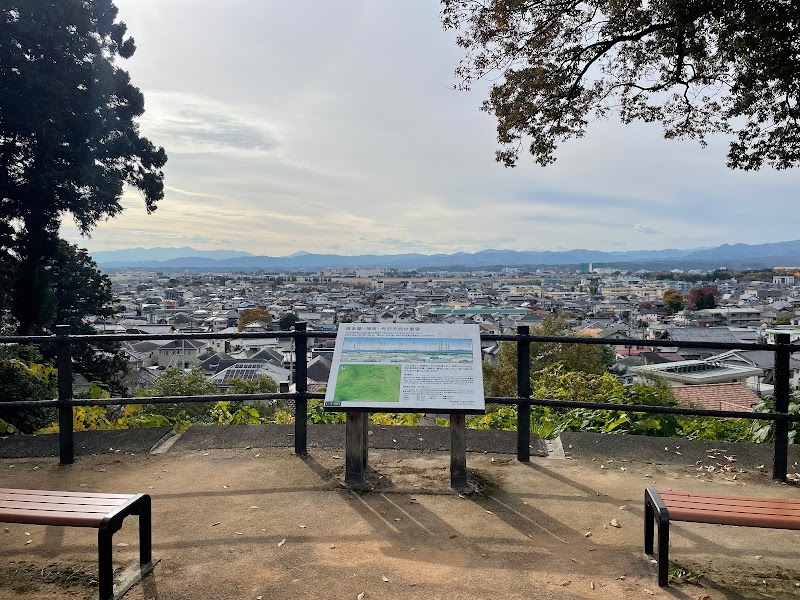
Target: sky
[333, 127]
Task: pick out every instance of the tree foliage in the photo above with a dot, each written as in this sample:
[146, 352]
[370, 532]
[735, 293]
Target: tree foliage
[25, 375]
[69, 139]
[697, 68]
[287, 321]
[251, 315]
[261, 385]
[702, 297]
[501, 379]
[673, 300]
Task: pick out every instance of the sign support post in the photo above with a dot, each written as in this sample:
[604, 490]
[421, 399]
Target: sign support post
[355, 448]
[458, 451]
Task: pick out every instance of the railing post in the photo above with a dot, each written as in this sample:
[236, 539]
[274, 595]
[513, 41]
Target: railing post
[300, 386]
[66, 450]
[780, 438]
[523, 391]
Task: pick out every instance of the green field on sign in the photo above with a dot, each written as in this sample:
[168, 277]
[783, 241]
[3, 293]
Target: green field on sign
[368, 383]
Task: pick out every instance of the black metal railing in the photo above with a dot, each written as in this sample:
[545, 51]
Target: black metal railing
[65, 403]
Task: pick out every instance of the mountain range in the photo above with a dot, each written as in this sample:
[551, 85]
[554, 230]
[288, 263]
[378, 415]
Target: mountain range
[727, 255]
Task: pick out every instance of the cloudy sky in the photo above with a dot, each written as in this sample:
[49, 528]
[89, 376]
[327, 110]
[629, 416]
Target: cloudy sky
[333, 127]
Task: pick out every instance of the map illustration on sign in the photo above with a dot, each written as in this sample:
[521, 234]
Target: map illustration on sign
[402, 367]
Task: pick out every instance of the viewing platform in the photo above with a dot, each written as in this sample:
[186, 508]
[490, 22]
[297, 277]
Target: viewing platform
[237, 515]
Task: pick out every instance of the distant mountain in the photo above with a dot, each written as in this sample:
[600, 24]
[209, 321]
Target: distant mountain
[737, 255]
[132, 255]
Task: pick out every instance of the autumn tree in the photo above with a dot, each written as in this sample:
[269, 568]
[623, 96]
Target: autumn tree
[697, 68]
[673, 300]
[702, 297]
[251, 315]
[69, 139]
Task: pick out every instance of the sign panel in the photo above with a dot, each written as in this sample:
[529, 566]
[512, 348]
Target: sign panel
[389, 367]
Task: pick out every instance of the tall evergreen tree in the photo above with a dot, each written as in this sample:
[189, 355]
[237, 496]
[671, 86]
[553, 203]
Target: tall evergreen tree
[69, 140]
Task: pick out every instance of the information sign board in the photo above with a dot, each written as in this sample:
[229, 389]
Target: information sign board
[390, 367]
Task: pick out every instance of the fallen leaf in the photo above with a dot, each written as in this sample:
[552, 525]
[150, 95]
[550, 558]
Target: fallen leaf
[615, 523]
[282, 542]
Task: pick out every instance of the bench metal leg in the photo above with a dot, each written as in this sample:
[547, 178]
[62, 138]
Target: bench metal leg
[663, 550]
[649, 525]
[106, 568]
[145, 531]
[654, 508]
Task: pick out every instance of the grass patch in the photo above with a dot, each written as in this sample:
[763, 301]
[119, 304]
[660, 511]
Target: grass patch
[368, 383]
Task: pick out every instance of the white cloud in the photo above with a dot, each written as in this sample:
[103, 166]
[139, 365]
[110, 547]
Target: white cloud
[322, 127]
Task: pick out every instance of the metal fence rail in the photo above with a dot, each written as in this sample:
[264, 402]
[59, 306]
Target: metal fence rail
[66, 403]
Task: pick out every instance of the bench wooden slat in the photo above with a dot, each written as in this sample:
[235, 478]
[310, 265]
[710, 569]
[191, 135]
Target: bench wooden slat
[732, 518]
[66, 500]
[52, 517]
[65, 494]
[760, 508]
[8, 505]
[666, 496]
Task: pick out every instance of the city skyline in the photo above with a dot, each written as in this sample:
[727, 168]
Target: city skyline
[334, 129]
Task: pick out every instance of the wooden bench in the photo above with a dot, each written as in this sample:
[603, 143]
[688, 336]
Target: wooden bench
[709, 508]
[104, 512]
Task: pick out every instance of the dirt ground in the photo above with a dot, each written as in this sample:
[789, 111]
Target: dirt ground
[264, 524]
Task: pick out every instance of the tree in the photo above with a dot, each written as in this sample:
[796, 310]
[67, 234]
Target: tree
[262, 385]
[69, 139]
[698, 68]
[251, 315]
[24, 375]
[501, 379]
[287, 321]
[702, 297]
[174, 382]
[673, 300]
